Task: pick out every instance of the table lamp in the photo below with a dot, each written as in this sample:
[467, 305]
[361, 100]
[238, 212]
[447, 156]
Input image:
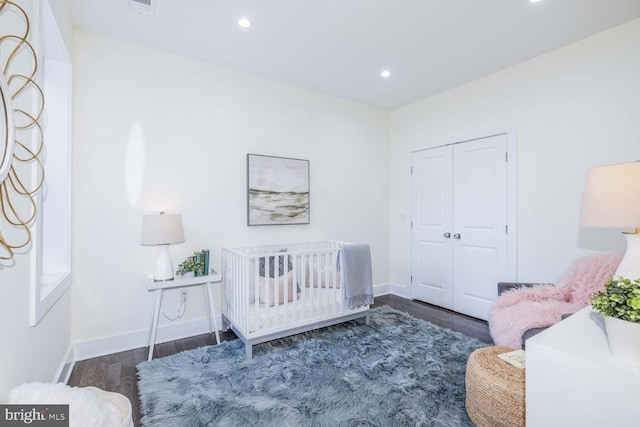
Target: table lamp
[162, 230]
[612, 199]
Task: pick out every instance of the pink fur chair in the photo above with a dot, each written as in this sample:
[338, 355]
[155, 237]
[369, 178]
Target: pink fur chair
[524, 311]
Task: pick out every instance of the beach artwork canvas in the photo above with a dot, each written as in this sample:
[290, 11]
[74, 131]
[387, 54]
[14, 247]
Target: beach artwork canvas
[278, 190]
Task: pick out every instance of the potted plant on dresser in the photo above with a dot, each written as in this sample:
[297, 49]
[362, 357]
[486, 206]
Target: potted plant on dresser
[619, 303]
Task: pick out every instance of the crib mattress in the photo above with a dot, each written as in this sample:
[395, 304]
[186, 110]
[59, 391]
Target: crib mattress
[314, 304]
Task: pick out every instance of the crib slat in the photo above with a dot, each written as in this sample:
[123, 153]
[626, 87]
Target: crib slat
[238, 293]
[256, 295]
[280, 290]
[333, 282]
[242, 291]
[327, 266]
[304, 264]
[290, 293]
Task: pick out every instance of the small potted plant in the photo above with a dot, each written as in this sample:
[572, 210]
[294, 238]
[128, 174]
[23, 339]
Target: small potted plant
[619, 303]
[190, 267]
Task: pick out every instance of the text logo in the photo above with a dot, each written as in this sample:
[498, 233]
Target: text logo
[34, 415]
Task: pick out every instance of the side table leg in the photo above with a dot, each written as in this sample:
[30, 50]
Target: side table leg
[156, 319]
[205, 290]
[213, 322]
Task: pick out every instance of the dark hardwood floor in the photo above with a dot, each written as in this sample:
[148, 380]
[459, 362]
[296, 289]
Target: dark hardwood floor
[117, 372]
[469, 326]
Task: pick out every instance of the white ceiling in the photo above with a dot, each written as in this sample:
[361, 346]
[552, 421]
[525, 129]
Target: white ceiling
[339, 47]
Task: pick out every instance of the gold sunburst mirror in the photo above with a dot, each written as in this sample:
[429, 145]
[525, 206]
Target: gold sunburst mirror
[6, 131]
[21, 140]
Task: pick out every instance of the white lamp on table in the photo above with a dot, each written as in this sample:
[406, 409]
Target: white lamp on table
[612, 199]
[162, 230]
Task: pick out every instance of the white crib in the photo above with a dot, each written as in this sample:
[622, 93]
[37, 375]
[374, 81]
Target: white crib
[272, 292]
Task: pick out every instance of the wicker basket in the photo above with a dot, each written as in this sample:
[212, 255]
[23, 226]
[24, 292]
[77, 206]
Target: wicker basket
[495, 390]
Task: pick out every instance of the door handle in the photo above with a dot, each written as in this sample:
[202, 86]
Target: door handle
[456, 236]
[447, 235]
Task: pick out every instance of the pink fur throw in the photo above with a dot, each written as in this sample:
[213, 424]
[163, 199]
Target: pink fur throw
[519, 310]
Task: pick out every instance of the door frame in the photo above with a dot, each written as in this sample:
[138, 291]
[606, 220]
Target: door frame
[512, 191]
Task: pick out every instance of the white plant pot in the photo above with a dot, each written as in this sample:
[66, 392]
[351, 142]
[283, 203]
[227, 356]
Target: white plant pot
[624, 340]
[188, 275]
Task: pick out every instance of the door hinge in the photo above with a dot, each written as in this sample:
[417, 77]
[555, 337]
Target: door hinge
[506, 229]
[412, 225]
[411, 170]
[411, 279]
[506, 157]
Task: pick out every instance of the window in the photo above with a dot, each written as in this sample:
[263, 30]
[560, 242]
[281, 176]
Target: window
[51, 261]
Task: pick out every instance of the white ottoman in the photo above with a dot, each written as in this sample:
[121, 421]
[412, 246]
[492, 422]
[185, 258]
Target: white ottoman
[88, 406]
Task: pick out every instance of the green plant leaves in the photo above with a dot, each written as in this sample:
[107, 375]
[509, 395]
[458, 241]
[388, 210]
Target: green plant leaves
[621, 299]
[193, 263]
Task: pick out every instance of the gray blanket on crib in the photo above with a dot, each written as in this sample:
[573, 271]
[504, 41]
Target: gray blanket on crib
[358, 282]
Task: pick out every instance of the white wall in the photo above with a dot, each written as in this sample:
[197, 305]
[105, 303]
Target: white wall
[29, 353]
[61, 11]
[197, 123]
[574, 108]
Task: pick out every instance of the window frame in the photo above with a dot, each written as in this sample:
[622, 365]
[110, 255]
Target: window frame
[51, 258]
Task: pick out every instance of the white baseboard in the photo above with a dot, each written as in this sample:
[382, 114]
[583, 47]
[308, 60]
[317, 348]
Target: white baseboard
[379, 290]
[138, 338]
[66, 366]
[401, 291]
[135, 339]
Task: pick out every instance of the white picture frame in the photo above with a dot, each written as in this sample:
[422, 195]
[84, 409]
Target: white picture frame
[277, 190]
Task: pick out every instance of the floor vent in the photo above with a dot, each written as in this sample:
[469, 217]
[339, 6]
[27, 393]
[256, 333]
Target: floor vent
[142, 7]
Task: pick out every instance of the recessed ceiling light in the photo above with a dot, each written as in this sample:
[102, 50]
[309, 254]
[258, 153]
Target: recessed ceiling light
[244, 22]
[385, 73]
[534, 1]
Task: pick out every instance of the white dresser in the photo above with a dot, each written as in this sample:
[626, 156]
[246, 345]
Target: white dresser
[572, 379]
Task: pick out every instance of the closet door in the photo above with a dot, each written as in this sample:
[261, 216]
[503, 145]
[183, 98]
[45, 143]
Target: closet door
[459, 212]
[479, 223]
[431, 249]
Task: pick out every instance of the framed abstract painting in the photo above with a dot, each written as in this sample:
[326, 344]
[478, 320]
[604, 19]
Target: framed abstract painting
[277, 190]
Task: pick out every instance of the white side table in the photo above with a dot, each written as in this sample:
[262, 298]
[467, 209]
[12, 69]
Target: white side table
[160, 287]
[572, 379]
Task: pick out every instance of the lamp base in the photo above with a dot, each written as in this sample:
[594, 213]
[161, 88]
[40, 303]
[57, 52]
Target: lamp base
[629, 267]
[164, 267]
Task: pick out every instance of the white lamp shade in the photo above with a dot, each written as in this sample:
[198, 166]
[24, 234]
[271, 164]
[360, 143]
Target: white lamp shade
[612, 196]
[162, 230]
[612, 199]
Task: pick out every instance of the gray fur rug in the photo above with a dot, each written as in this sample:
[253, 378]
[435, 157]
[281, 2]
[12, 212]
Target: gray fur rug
[398, 371]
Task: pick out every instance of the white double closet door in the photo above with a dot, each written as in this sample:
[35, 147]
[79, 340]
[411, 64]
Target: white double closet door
[459, 224]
